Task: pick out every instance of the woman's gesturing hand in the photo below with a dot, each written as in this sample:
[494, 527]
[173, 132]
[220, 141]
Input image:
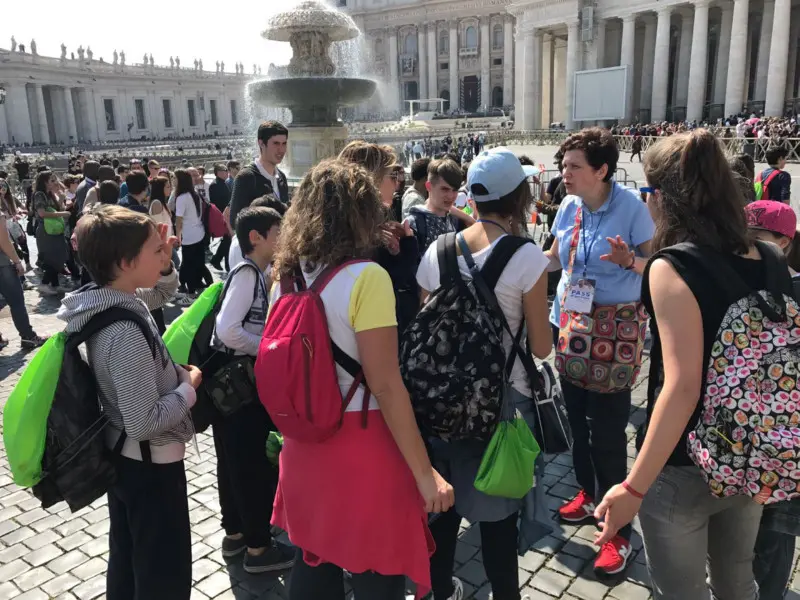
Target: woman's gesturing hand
[616, 510]
[620, 254]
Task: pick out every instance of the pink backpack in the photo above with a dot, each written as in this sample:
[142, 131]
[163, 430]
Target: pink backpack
[216, 222]
[296, 363]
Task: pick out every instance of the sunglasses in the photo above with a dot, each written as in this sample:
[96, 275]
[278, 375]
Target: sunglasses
[648, 190]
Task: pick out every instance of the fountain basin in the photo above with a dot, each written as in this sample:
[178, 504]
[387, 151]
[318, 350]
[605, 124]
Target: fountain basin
[312, 100]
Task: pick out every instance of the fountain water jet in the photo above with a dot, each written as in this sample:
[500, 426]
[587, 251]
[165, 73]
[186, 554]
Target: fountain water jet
[312, 90]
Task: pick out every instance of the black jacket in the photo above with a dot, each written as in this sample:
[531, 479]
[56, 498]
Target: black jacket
[251, 184]
[220, 194]
[402, 269]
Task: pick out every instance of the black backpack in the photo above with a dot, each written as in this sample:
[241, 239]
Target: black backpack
[76, 465]
[452, 356]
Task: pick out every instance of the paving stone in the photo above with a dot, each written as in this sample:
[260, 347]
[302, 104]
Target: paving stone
[99, 528]
[566, 564]
[534, 594]
[630, 591]
[33, 578]
[550, 582]
[33, 595]
[49, 522]
[12, 553]
[587, 588]
[95, 547]
[215, 584]
[532, 561]
[15, 568]
[62, 583]
[465, 552]
[203, 568]
[8, 590]
[42, 555]
[41, 539]
[89, 590]
[67, 562]
[78, 538]
[67, 528]
[19, 534]
[90, 568]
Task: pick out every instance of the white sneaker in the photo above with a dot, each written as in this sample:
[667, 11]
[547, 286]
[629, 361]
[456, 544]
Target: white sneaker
[47, 290]
[458, 589]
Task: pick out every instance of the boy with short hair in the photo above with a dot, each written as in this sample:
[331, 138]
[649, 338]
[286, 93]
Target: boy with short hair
[246, 479]
[138, 185]
[145, 397]
[774, 183]
[235, 254]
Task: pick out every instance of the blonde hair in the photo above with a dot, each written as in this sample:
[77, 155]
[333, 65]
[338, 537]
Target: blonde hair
[375, 158]
[335, 215]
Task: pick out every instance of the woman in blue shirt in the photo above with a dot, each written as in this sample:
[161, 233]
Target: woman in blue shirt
[595, 219]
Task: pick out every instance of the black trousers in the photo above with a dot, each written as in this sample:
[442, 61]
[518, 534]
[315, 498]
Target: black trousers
[600, 444]
[193, 266]
[150, 545]
[49, 275]
[498, 548]
[247, 481]
[222, 252]
[326, 582]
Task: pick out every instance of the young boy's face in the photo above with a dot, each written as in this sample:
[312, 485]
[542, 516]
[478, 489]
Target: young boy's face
[264, 246]
[145, 269]
[781, 241]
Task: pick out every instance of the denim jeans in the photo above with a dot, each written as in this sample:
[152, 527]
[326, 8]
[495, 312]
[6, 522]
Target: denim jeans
[690, 535]
[773, 563]
[11, 290]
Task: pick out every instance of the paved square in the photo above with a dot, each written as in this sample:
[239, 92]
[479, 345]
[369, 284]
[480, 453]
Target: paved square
[56, 554]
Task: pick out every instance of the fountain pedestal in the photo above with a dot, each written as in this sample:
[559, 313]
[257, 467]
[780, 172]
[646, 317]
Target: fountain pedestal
[309, 145]
[312, 91]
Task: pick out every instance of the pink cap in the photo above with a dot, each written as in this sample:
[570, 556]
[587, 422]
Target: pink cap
[773, 216]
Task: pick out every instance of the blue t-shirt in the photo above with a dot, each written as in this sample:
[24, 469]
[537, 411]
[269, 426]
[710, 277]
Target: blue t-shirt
[123, 190]
[623, 214]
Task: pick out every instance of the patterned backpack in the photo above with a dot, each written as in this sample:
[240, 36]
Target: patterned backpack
[747, 441]
[452, 356]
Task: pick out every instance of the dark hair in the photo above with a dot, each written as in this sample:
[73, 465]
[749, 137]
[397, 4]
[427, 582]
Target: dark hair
[793, 255]
[525, 160]
[108, 192]
[115, 162]
[219, 167]
[42, 178]
[121, 169]
[446, 169]
[184, 185]
[157, 187]
[599, 147]
[271, 201]
[513, 206]
[419, 169]
[746, 161]
[137, 182]
[201, 169]
[233, 164]
[699, 201]
[269, 129]
[70, 180]
[109, 235]
[90, 168]
[254, 218]
[105, 173]
[775, 154]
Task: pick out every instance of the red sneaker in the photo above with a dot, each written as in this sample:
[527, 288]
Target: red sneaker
[578, 510]
[613, 557]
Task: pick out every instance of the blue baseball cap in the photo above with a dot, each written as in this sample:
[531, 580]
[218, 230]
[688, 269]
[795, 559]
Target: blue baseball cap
[495, 173]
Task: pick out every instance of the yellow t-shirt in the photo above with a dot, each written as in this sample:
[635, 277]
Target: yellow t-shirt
[358, 298]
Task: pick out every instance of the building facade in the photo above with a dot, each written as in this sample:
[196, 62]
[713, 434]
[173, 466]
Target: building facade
[687, 59]
[65, 101]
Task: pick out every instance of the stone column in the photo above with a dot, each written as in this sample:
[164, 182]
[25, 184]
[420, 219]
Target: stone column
[685, 49]
[422, 63]
[19, 114]
[508, 60]
[572, 66]
[486, 61]
[658, 108]
[779, 53]
[519, 73]
[41, 113]
[627, 56]
[455, 89]
[89, 114]
[734, 90]
[794, 35]
[647, 61]
[532, 80]
[698, 67]
[433, 62]
[394, 78]
[72, 129]
[600, 44]
[764, 66]
[721, 71]
[5, 135]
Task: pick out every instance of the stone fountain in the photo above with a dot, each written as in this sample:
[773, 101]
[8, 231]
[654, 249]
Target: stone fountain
[311, 89]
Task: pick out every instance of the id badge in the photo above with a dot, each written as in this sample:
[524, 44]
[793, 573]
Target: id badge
[580, 296]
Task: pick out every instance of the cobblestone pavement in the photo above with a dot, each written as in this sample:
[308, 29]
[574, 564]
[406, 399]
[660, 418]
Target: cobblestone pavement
[56, 554]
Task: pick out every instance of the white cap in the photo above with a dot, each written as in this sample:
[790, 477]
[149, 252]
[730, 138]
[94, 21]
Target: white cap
[498, 171]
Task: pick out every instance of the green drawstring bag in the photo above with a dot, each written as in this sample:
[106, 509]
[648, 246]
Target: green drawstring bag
[53, 226]
[506, 469]
[274, 447]
[180, 335]
[27, 409]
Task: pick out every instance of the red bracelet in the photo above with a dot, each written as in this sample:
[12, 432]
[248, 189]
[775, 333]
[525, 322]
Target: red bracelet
[632, 491]
[632, 265]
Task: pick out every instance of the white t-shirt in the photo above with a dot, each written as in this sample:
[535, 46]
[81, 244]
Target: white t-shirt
[235, 255]
[193, 231]
[162, 217]
[273, 179]
[520, 275]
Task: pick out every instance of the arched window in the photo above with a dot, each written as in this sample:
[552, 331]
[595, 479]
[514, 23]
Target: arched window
[497, 36]
[410, 44]
[497, 97]
[444, 42]
[445, 95]
[471, 38]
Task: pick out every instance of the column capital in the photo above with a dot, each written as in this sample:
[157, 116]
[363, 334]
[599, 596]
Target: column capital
[628, 18]
[665, 11]
[453, 23]
[703, 4]
[508, 19]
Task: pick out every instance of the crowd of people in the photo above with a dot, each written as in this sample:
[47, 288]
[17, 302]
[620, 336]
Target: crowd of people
[435, 302]
[740, 126]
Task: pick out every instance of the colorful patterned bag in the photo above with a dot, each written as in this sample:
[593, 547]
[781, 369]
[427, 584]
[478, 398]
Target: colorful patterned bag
[747, 441]
[601, 351]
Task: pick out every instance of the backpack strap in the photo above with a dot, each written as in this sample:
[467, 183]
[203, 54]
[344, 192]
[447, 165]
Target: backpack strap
[503, 251]
[449, 273]
[765, 183]
[99, 322]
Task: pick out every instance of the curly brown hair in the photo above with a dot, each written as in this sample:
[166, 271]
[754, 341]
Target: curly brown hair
[377, 159]
[335, 215]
